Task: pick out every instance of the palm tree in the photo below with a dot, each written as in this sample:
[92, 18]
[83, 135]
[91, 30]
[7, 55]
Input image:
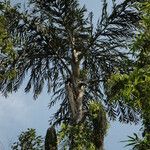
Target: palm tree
[62, 49]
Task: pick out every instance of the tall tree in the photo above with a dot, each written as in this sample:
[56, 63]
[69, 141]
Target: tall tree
[61, 48]
[134, 87]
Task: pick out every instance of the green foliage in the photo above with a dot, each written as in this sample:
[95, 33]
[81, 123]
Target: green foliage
[28, 140]
[89, 134]
[138, 143]
[142, 42]
[96, 109]
[58, 43]
[6, 44]
[134, 88]
[81, 134]
[99, 123]
[45, 37]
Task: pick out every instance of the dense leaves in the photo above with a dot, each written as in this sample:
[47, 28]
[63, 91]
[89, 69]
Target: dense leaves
[46, 35]
[7, 52]
[134, 89]
[89, 134]
[28, 140]
[138, 143]
[58, 46]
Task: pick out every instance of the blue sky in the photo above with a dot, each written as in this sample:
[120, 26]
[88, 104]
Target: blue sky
[19, 111]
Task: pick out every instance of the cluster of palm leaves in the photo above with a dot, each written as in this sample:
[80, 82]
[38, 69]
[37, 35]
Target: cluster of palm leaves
[45, 37]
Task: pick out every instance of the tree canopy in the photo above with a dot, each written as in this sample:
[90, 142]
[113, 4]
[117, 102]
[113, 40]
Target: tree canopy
[58, 48]
[28, 140]
[134, 88]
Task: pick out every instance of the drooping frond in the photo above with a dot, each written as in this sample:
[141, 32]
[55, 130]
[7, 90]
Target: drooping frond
[45, 37]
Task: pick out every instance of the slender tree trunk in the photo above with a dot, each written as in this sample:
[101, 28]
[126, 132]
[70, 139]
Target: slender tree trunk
[76, 91]
[74, 88]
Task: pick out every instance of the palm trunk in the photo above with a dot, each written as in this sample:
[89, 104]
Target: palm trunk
[76, 91]
[74, 88]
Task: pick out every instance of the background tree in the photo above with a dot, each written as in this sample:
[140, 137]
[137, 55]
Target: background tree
[7, 51]
[61, 48]
[134, 88]
[28, 140]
